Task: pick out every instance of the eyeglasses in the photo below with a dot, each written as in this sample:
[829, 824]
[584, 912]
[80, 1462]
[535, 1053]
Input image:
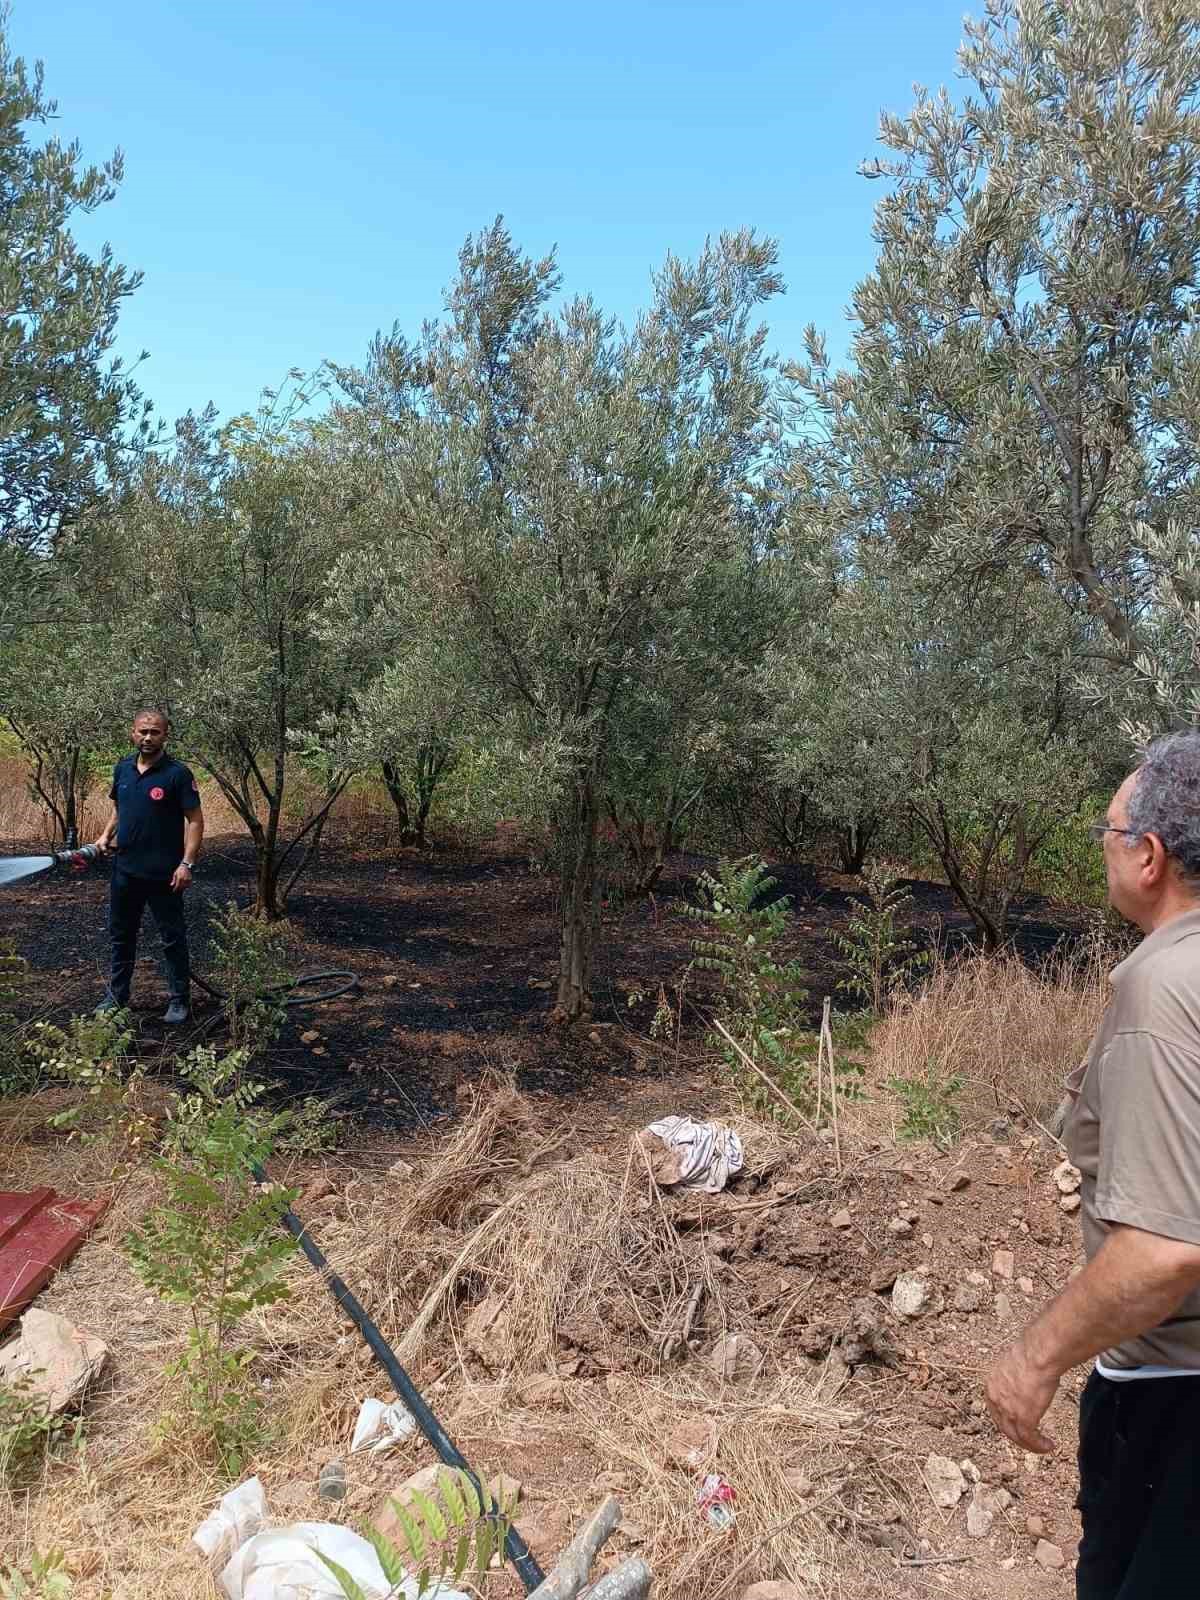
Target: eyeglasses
[1099, 829]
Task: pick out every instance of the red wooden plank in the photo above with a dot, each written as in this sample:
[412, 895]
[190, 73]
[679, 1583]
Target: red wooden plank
[40, 1230]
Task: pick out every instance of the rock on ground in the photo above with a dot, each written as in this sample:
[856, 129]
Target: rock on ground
[53, 1357]
[946, 1481]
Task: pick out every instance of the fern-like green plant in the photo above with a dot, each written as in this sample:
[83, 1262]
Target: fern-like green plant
[762, 999]
[877, 952]
[214, 1243]
[444, 1537]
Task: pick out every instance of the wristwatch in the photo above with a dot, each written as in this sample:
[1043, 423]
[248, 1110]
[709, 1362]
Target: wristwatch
[190, 865]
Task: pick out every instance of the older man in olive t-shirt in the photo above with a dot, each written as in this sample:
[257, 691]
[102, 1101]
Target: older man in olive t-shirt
[1133, 1130]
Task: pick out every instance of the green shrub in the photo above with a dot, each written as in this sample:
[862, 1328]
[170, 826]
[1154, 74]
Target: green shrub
[214, 1245]
[930, 1108]
[17, 1074]
[761, 998]
[28, 1433]
[44, 1578]
[878, 954]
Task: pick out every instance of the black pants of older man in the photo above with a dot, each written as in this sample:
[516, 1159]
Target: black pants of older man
[1139, 1488]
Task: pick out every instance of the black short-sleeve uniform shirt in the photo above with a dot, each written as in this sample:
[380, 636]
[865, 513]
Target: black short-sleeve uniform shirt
[151, 806]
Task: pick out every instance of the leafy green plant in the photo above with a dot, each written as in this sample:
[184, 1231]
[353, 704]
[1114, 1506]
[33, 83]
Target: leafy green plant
[44, 1578]
[249, 967]
[16, 1074]
[762, 999]
[930, 1111]
[878, 954]
[214, 1244]
[444, 1537]
[92, 1055]
[28, 1432]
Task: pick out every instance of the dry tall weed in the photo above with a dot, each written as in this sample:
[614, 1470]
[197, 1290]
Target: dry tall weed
[1008, 1033]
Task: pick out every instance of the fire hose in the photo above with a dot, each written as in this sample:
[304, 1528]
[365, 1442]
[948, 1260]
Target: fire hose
[515, 1548]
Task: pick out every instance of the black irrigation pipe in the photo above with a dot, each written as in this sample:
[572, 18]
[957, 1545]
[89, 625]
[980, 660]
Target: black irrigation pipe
[515, 1548]
[345, 981]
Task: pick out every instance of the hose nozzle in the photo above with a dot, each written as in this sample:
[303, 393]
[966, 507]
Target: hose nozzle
[77, 860]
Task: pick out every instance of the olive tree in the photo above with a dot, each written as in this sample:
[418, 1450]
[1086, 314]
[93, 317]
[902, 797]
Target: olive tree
[961, 715]
[59, 699]
[222, 552]
[1026, 364]
[67, 412]
[579, 486]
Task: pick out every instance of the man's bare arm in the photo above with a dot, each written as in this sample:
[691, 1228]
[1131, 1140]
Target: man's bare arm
[1134, 1281]
[193, 833]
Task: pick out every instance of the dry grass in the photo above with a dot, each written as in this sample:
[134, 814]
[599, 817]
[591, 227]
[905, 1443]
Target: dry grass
[1008, 1033]
[580, 1263]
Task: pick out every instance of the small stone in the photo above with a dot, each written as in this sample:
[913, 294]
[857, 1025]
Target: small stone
[332, 1483]
[884, 1276]
[692, 1443]
[544, 1392]
[1008, 1563]
[935, 1197]
[971, 1471]
[945, 1481]
[1049, 1556]
[959, 1182]
[900, 1227]
[911, 1295]
[841, 1219]
[1067, 1178]
[736, 1358]
[986, 1505]
[1025, 1285]
[969, 1295]
[1000, 1128]
[309, 1036]
[1035, 1527]
[390, 981]
[1003, 1307]
[1002, 1264]
[927, 1240]
[1070, 1203]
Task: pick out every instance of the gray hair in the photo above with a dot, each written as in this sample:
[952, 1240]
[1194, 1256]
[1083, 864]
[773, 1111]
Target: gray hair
[1165, 799]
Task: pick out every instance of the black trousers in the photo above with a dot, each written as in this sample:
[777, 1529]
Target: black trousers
[128, 898]
[1139, 1489]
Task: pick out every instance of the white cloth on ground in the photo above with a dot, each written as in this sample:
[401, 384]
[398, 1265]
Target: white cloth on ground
[709, 1154]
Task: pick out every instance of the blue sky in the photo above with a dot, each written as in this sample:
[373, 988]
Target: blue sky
[300, 174]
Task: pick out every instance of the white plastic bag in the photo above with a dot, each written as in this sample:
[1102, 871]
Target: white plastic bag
[380, 1425]
[239, 1516]
[285, 1565]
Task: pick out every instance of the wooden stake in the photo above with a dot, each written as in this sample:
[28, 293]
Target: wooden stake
[826, 1049]
[783, 1098]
